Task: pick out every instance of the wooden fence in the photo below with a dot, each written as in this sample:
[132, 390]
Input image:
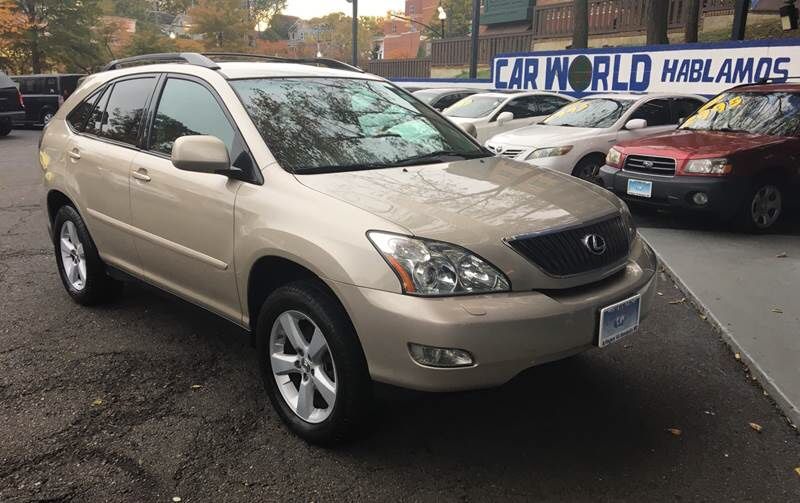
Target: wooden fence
[390, 68]
[455, 51]
[608, 17]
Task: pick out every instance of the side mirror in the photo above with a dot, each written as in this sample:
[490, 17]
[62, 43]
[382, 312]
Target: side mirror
[681, 120]
[636, 124]
[504, 117]
[201, 154]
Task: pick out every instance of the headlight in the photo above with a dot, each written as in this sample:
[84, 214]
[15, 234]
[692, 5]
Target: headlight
[627, 221]
[708, 166]
[614, 157]
[427, 267]
[549, 152]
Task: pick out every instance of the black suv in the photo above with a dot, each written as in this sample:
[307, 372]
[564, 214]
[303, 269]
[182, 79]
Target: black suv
[44, 94]
[12, 108]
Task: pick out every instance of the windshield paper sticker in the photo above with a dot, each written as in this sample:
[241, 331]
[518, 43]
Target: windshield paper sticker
[698, 69]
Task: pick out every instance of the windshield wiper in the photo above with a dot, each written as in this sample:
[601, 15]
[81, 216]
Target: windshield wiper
[439, 156]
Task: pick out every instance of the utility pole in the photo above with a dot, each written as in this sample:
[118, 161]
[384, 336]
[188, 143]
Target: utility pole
[580, 36]
[739, 19]
[692, 21]
[476, 25]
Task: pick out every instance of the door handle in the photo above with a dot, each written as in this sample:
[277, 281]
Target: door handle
[75, 154]
[141, 175]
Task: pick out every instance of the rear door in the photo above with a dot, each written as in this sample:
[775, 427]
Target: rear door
[9, 99]
[184, 220]
[100, 156]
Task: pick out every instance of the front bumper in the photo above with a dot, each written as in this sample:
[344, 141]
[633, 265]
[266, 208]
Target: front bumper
[725, 194]
[505, 333]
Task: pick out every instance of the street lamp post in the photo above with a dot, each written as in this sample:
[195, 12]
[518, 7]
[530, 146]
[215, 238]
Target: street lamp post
[355, 31]
[476, 24]
[442, 17]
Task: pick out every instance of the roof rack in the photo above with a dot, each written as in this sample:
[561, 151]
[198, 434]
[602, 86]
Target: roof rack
[768, 80]
[324, 62]
[191, 58]
[208, 60]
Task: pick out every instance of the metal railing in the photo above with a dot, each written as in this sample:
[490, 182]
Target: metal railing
[455, 51]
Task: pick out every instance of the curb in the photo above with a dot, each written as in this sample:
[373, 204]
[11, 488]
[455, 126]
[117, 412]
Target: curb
[790, 410]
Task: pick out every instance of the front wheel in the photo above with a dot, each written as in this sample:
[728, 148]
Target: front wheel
[312, 364]
[588, 168]
[762, 208]
[5, 128]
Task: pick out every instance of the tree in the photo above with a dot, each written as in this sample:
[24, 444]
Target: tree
[12, 27]
[580, 34]
[657, 18]
[265, 10]
[692, 20]
[148, 39]
[57, 31]
[458, 22]
[223, 23]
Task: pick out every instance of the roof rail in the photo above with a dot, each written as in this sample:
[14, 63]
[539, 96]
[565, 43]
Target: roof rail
[324, 62]
[767, 80]
[191, 58]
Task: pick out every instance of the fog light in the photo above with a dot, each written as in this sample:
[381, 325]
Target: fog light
[700, 198]
[439, 357]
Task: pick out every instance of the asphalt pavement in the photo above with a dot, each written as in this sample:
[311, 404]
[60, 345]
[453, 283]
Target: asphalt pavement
[149, 399]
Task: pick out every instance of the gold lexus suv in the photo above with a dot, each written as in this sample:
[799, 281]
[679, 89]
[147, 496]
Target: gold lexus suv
[357, 234]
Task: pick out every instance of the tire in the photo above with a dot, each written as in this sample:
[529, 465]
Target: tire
[307, 305]
[762, 207]
[588, 168]
[47, 116]
[82, 271]
[5, 128]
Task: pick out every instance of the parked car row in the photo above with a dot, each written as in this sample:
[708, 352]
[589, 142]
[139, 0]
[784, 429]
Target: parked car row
[734, 157]
[32, 100]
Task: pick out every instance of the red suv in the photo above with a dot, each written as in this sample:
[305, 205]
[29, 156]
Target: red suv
[737, 157]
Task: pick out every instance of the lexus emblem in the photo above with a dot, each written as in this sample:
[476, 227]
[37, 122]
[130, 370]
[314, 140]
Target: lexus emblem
[594, 243]
[647, 164]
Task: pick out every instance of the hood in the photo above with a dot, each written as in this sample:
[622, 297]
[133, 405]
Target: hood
[543, 135]
[686, 143]
[473, 203]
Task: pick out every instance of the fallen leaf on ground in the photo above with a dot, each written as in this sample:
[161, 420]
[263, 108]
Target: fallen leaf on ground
[781, 255]
[176, 499]
[737, 356]
[197, 386]
[710, 413]
[703, 317]
[97, 402]
[756, 427]
[675, 431]
[659, 293]
[679, 301]
[777, 310]
[797, 470]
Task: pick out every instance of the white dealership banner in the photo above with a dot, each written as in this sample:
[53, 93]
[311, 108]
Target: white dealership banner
[691, 68]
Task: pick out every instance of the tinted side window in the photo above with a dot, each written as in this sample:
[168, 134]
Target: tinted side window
[655, 112]
[77, 117]
[549, 104]
[448, 100]
[125, 109]
[527, 106]
[682, 108]
[97, 116]
[188, 108]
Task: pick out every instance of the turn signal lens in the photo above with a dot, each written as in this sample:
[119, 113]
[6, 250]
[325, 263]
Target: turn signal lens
[613, 158]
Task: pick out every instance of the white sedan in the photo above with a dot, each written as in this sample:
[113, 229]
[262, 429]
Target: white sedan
[576, 138]
[499, 111]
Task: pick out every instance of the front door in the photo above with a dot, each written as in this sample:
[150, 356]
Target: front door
[184, 221]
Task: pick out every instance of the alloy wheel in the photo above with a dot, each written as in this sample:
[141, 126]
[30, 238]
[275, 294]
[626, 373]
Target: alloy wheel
[73, 259]
[303, 366]
[765, 207]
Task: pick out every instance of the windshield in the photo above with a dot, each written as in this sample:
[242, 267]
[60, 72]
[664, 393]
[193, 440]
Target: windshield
[337, 124]
[594, 112]
[775, 114]
[427, 96]
[473, 107]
